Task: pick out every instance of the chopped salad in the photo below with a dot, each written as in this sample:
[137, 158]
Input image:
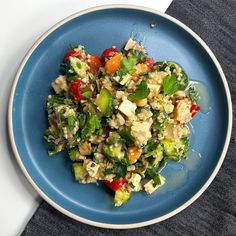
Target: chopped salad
[121, 117]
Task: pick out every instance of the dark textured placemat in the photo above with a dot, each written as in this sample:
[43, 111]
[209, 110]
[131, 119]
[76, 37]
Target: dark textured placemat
[214, 213]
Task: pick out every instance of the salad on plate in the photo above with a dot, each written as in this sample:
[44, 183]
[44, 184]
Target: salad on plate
[121, 117]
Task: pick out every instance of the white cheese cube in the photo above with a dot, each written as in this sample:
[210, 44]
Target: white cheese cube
[130, 44]
[127, 107]
[125, 79]
[135, 181]
[149, 186]
[60, 84]
[141, 132]
[92, 168]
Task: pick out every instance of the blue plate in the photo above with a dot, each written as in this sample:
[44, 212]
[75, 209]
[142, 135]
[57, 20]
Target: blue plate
[97, 29]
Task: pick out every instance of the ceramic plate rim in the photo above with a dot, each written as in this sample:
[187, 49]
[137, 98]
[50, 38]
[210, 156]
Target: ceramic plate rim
[139, 224]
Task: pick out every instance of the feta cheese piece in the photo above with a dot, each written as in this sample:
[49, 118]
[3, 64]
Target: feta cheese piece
[60, 84]
[141, 131]
[126, 78]
[128, 108]
[150, 185]
[134, 182]
[92, 168]
[130, 44]
[182, 110]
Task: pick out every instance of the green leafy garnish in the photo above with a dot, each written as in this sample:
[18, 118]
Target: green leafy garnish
[87, 92]
[141, 57]
[125, 134]
[92, 126]
[108, 171]
[151, 174]
[127, 66]
[72, 154]
[129, 63]
[193, 94]
[170, 85]
[141, 92]
[71, 122]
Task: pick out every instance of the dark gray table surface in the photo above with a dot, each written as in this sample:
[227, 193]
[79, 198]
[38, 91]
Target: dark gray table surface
[214, 213]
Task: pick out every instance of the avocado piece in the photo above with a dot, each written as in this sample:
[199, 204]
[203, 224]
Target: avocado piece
[79, 171]
[121, 196]
[104, 101]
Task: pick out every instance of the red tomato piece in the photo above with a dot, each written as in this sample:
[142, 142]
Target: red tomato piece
[72, 53]
[77, 88]
[95, 64]
[149, 62]
[194, 109]
[109, 52]
[115, 184]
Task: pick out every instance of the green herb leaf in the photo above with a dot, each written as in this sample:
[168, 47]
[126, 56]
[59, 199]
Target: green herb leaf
[92, 126]
[193, 94]
[151, 145]
[120, 170]
[72, 154]
[125, 134]
[141, 57]
[151, 174]
[71, 120]
[129, 64]
[87, 92]
[141, 92]
[108, 171]
[170, 85]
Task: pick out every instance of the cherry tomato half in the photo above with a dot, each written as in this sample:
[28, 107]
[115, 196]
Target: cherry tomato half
[194, 109]
[149, 62]
[95, 64]
[77, 88]
[109, 52]
[115, 184]
[72, 53]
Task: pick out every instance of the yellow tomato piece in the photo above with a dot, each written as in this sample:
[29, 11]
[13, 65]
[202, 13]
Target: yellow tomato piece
[113, 64]
[134, 153]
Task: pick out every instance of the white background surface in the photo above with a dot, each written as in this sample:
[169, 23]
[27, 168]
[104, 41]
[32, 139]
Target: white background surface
[21, 23]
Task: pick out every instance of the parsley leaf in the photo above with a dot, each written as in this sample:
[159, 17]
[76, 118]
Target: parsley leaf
[141, 92]
[87, 92]
[151, 174]
[92, 126]
[71, 120]
[127, 66]
[170, 85]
